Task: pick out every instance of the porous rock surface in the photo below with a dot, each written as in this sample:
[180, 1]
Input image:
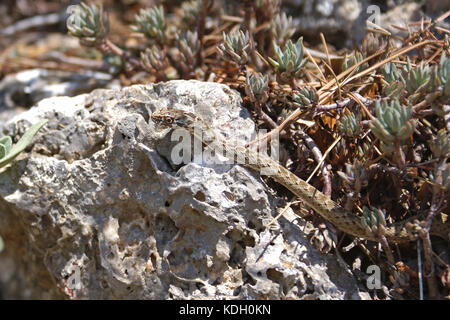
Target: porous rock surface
[87, 213]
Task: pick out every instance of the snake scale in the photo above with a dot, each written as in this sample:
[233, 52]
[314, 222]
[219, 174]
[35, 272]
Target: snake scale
[331, 211]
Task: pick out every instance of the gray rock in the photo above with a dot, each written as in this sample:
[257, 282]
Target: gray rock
[343, 22]
[89, 213]
[435, 8]
[334, 18]
[24, 89]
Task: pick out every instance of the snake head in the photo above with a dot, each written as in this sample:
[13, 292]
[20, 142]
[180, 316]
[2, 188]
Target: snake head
[173, 118]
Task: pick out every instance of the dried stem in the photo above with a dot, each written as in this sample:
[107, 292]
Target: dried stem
[121, 53]
[293, 116]
[318, 157]
[429, 265]
[384, 243]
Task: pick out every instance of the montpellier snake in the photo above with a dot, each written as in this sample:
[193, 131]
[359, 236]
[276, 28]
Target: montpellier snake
[343, 220]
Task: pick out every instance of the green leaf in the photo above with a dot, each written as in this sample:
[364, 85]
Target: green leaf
[6, 142]
[22, 143]
[2, 151]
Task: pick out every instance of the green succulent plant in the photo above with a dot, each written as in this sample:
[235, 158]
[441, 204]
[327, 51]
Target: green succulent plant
[441, 75]
[256, 87]
[373, 219]
[154, 59]
[392, 122]
[354, 173]
[188, 44]
[306, 95]
[391, 73]
[440, 146]
[442, 71]
[190, 12]
[152, 23]
[395, 90]
[393, 81]
[235, 47]
[282, 28]
[446, 92]
[364, 150]
[350, 124]
[417, 79]
[353, 59]
[371, 44]
[87, 22]
[9, 152]
[289, 60]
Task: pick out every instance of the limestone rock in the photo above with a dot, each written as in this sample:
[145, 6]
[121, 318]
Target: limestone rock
[24, 89]
[334, 18]
[89, 213]
[343, 22]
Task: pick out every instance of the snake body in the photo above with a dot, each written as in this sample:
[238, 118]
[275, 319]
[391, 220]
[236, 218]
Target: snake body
[330, 210]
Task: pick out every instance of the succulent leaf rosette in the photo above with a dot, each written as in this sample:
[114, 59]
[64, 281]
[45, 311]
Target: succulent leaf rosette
[152, 23]
[87, 22]
[393, 122]
[289, 60]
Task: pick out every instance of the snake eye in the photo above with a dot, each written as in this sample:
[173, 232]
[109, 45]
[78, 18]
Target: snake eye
[169, 120]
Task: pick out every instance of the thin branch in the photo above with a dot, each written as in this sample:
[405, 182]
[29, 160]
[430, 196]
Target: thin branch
[319, 159]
